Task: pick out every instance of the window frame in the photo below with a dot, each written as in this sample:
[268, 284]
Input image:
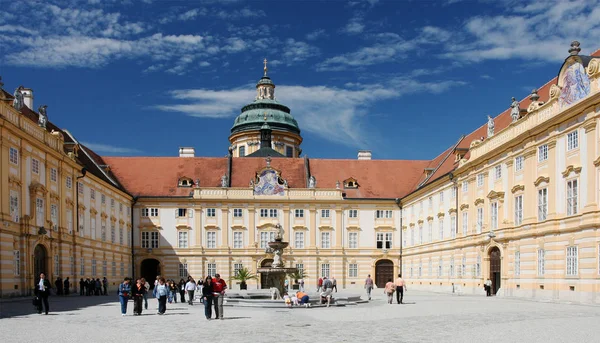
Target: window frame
[298, 213]
[211, 212]
[35, 166]
[352, 270]
[541, 262]
[572, 261]
[572, 193]
[498, 172]
[542, 205]
[352, 213]
[518, 210]
[517, 263]
[352, 240]
[238, 239]
[13, 154]
[211, 239]
[238, 213]
[519, 163]
[542, 151]
[325, 240]
[299, 239]
[325, 213]
[182, 239]
[573, 144]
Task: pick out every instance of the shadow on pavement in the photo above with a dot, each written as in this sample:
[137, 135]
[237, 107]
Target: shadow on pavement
[58, 305]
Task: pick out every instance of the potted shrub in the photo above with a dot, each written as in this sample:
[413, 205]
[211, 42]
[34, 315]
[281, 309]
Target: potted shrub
[244, 275]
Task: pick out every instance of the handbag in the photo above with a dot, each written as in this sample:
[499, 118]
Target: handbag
[36, 301]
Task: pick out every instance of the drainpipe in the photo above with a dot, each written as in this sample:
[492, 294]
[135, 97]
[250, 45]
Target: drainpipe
[397, 200]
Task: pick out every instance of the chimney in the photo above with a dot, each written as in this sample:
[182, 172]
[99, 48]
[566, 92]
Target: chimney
[364, 154]
[186, 152]
[28, 97]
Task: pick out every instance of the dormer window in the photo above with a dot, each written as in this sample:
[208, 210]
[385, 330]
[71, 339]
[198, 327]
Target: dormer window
[185, 182]
[460, 153]
[350, 183]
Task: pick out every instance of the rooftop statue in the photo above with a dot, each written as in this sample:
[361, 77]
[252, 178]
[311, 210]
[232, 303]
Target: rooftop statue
[490, 126]
[18, 101]
[43, 118]
[515, 112]
[312, 182]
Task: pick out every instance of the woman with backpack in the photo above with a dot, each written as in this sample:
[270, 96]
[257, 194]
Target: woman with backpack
[124, 294]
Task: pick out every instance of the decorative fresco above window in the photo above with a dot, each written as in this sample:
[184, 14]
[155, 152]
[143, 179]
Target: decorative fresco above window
[268, 182]
[575, 85]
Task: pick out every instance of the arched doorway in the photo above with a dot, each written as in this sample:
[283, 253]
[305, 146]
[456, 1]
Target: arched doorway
[384, 270]
[264, 280]
[40, 256]
[495, 269]
[150, 269]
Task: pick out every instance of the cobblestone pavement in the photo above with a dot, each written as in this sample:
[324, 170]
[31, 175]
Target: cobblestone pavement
[426, 317]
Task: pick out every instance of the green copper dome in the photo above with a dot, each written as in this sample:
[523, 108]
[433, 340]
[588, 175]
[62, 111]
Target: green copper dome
[265, 109]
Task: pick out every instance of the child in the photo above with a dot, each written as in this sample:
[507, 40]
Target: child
[287, 299]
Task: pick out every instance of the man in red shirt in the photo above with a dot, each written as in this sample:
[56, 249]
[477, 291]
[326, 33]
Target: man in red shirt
[219, 287]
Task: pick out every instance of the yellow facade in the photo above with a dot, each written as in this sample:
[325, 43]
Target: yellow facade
[38, 183]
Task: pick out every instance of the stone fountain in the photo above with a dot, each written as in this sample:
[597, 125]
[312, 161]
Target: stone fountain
[277, 272]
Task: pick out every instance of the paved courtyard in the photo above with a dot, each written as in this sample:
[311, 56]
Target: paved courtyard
[426, 317]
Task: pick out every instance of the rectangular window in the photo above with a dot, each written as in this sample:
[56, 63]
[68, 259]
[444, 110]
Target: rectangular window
[242, 151]
[17, 262]
[273, 213]
[121, 235]
[122, 267]
[465, 186]
[13, 155]
[494, 215]
[154, 212]
[104, 268]
[54, 216]
[299, 240]
[81, 266]
[498, 172]
[149, 239]
[324, 213]
[211, 268]
[69, 182]
[572, 140]
[211, 239]
[383, 214]
[518, 210]
[542, 204]
[572, 261]
[94, 271]
[181, 212]
[465, 223]
[103, 232]
[103, 200]
[289, 151]
[113, 268]
[236, 268]
[53, 175]
[211, 212]
[412, 236]
[93, 227]
[430, 203]
[352, 213]
[453, 192]
[453, 227]
[299, 213]
[145, 212]
[40, 216]
[384, 240]
[112, 233]
[183, 270]
[325, 242]
[120, 208]
[112, 203]
[182, 239]
[542, 153]
[519, 163]
[479, 219]
[572, 192]
[92, 194]
[430, 231]
[478, 266]
[353, 270]
[440, 267]
[480, 179]
[463, 269]
[517, 263]
[353, 240]
[80, 187]
[325, 270]
[451, 270]
[35, 166]
[237, 212]
[238, 239]
[441, 197]
[14, 206]
[266, 237]
[420, 233]
[441, 228]
[300, 267]
[264, 212]
[541, 262]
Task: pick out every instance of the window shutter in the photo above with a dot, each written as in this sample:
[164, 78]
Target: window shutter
[176, 212]
[191, 213]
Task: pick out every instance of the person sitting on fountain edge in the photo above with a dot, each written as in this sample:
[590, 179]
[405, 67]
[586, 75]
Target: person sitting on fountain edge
[304, 300]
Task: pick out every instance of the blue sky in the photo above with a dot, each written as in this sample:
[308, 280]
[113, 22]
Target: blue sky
[402, 78]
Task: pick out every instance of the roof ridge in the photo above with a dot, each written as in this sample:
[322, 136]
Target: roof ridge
[441, 162]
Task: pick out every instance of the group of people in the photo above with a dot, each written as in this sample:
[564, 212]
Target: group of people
[62, 286]
[91, 286]
[398, 287]
[321, 281]
[211, 289]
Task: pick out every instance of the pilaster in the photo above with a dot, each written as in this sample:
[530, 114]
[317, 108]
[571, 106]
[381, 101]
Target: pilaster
[338, 228]
[198, 225]
[313, 228]
[590, 182]
[552, 158]
[225, 227]
[251, 226]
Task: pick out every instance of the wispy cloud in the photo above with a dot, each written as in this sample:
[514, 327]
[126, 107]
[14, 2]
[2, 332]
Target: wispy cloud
[354, 26]
[316, 34]
[110, 149]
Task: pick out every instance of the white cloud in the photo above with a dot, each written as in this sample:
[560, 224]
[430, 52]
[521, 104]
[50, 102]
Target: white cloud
[241, 13]
[316, 34]
[110, 149]
[191, 14]
[296, 51]
[354, 26]
[16, 29]
[345, 107]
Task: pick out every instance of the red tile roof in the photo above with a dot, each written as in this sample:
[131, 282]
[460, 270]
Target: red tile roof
[243, 170]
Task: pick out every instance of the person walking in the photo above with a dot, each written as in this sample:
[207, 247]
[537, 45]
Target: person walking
[81, 287]
[147, 286]
[138, 291]
[190, 287]
[334, 283]
[488, 287]
[400, 288]
[98, 289]
[162, 290]
[172, 291]
[181, 289]
[320, 284]
[124, 294]
[105, 285]
[369, 285]
[66, 284]
[42, 291]
[389, 291]
[59, 286]
[301, 285]
[219, 287]
[207, 296]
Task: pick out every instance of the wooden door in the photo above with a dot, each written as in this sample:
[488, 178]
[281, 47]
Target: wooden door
[495, 269]
[384, 271]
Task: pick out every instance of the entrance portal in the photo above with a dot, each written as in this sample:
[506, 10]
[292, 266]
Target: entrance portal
[150, 269]
[495, 269]
[384, 271]
[40, 255]
[264, 280]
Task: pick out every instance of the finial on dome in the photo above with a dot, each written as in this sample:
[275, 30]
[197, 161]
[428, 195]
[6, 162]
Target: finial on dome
[575, 49]
[265, 68]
